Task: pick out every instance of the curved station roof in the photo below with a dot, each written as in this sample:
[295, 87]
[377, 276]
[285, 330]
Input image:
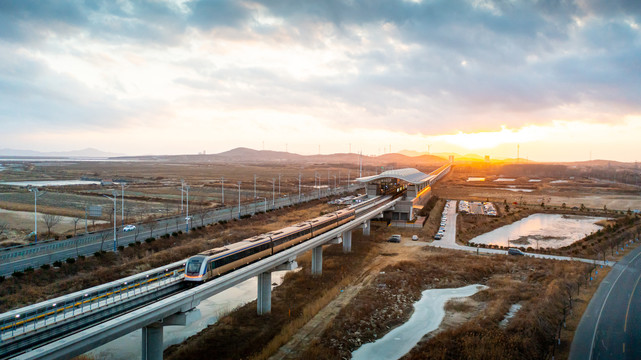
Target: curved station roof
[410, 175]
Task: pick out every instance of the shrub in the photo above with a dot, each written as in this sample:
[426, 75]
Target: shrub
[70, 260]
[1, 278]
[174, 234]
[69, 236]
[121, 248]
[81, 257]
[17, 274]
[96, 254]
[132, 244]
[28, 270]
[45, 266]
[149, 240]
[57, 263]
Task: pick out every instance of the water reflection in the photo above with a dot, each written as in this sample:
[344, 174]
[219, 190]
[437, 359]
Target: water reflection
[542, 230]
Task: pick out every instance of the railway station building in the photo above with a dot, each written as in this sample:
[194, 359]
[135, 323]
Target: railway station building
[415, 184]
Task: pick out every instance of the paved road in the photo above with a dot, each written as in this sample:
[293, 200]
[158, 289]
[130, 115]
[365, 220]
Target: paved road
[611, 325]
[449, 241]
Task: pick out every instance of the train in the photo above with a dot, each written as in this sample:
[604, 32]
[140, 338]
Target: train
[215, 262]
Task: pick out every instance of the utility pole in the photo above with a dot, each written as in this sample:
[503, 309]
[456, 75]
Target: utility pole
[273, 192]
[182, 186]
[254, 187]
[239, 200]
[279, 186]
[36, 195]
[187, 217]
[299, 175]
[114, 198]
[360, 164]
[122, 205]
[222, 190]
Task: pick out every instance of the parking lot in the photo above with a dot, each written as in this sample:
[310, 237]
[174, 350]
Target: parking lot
[477, 208]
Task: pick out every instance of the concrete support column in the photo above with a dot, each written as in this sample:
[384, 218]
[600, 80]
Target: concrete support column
[367, 227]
[317, 260]
[347, 241]
[152, 347]
[264, 299]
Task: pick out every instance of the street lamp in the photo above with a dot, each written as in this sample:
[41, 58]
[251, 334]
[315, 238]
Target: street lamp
[222, 190]
[273, 192]
[36, 195]
[187, 217]
[114, 198]
[265, 203]
[299, 175]
[239, 199]
[122, 204]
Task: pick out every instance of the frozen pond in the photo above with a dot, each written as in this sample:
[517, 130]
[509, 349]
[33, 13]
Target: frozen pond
[129, 346]
[516, 189]
[51, 183]
[549, 230]
[428, 314]
[470, 179]
[504, 180]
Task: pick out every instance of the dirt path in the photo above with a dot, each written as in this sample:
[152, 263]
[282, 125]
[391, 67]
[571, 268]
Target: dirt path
[389, 254]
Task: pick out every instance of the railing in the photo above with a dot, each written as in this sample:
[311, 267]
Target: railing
[24, 320]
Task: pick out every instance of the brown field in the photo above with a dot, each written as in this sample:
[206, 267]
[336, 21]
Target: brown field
[42, 284]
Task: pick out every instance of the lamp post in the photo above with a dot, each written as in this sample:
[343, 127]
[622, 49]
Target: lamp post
[265, 202]
[273, 192]
[114, 198]
[239, 199]
[187, 217]
[254, 187]
[299, 175]
[122, 204]
[222, 190]
[182, 186]
[36, 195]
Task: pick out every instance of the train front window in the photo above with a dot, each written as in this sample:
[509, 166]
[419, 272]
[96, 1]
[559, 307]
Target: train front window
[193, 266]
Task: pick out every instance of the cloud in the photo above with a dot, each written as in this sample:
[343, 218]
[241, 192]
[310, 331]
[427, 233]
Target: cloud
[428, 67]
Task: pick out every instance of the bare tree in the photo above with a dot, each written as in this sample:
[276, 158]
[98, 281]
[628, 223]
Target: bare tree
[51, 221]
[136, 232]
[152, 225]
[103, 236]
[75, 224]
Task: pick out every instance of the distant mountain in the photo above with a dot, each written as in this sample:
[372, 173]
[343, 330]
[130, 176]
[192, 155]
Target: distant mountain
[85, 153]
[251, 156]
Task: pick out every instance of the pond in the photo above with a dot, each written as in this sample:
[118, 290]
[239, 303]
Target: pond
[428, 314]
[548, 230]
[50, 183]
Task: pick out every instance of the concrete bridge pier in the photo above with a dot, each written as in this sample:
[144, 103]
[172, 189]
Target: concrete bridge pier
[347, 241]
[152, 335]
[366, 227]
[264, 300]
[264, 296]
[317, 260]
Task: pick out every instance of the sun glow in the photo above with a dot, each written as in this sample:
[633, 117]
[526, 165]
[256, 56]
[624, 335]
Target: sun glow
[492, 139]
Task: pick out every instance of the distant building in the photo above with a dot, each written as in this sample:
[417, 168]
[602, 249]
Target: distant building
[106, 182]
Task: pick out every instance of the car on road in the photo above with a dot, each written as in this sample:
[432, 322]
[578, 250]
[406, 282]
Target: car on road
[513, 251]
[414, 237]
[394, 239]
[129, 228]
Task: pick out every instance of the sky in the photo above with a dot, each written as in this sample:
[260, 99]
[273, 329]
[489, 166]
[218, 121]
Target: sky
[560, 79]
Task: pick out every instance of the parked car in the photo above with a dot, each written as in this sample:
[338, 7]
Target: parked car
[438, 236]
[129, 228]
[517, 252]
[414, 237]
[394, 239]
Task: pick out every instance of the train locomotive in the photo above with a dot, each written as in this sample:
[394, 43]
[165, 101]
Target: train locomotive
[215, 262]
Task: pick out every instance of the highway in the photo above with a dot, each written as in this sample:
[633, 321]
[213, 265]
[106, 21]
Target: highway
[35, 255]
[449, 241]
[611, 324]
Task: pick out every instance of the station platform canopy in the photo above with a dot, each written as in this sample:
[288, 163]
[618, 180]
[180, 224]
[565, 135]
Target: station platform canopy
[409, 175]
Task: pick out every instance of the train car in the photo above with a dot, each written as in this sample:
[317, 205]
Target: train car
[215, 262]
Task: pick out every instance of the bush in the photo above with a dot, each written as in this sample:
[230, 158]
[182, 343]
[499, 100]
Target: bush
[121, 248]
[17, 274]
[70, 260]
[180, 232]
[165, 236]
[1, 278]
[28, 270]
[149, 240]
[45, 266]
[69, 236]
[81, 257]
[132, 244]
[57, 263]
[174, 234]
[96, 254]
